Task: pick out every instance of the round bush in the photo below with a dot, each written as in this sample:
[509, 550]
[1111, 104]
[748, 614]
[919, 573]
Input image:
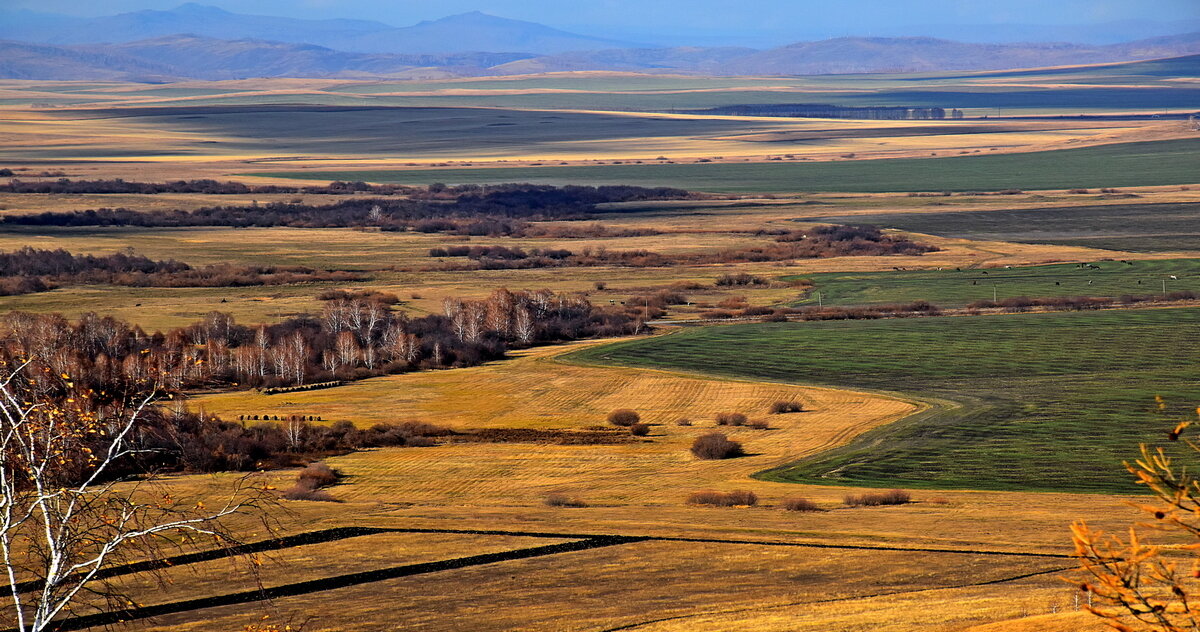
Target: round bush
[623, 417]
[716, 446]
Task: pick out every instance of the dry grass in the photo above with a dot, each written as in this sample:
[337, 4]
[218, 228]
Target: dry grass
[535, 391]
[683, 581]
[641, 489]
[395, 260]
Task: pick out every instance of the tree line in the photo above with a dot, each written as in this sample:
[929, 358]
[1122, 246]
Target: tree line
[28, 270]
[350, 339]
[205, 186]
[825, 110]
[470, 210]
[818, 242]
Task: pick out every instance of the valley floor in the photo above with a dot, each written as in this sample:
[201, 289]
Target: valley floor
[949, 561]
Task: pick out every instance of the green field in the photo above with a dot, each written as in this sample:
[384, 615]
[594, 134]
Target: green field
[1129, 227]
[1041, 402]
[1120, 165]
[953, 287]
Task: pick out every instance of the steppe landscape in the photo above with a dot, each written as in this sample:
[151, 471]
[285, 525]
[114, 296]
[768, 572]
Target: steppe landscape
[634, 339]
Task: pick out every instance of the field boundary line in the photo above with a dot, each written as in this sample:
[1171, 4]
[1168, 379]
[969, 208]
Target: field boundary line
[580, 542]
[331, 583]
[892, 593]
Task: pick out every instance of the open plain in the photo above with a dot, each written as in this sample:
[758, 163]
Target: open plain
[1005, 422]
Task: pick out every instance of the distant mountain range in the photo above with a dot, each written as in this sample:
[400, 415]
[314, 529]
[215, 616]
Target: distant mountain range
[468, 32]
[199, 42]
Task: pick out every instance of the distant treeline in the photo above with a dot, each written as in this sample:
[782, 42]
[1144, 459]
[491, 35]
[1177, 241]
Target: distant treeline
[30, 270]
[210, 187]
[824, 110]
[819, 242]
[472, 210]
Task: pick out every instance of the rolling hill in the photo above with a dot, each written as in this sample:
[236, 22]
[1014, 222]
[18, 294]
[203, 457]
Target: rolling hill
[194, 57]
[467, 32]
[849, 55]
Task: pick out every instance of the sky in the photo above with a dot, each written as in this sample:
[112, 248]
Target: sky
[716, 17]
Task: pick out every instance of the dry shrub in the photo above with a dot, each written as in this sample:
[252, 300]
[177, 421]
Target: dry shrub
[593, 435]
[298, 492]
[731, 419]
[623, 417]
[782, 407]
[893, 497]
[683, 421]
[420, 442]
[759, 424]
[939, 500]
[716, 446]
[318, 475]
[310, 481]
[733, 302]
[724, 499]
[799, 504]
[562, 500]
[639, 430]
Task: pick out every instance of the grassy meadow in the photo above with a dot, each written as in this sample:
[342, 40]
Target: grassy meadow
[957, 287]
[1138, 227]
[1025, 401]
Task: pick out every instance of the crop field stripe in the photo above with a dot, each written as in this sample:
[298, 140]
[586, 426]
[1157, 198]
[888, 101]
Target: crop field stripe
[583, 542]
[287, 542]
[891, 593]
[1117, 165]
[1051, 401]
[331, 583]
[275, 544]
[865, 547]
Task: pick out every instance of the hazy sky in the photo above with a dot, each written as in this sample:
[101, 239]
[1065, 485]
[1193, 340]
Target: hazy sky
[723, 17]
[696, 13]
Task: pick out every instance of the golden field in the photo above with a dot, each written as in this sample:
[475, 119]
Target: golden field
[951, 561]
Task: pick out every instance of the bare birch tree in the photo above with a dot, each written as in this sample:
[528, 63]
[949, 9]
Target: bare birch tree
[69, 510]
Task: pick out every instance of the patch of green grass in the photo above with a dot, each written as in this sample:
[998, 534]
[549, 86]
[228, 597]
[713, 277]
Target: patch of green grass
[953, 287]
[1042, 402]
[1120, 165]
[1131, 227]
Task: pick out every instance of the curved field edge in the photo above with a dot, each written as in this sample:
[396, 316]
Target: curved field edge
[794, 471]
[1047, 402]
[534, 390]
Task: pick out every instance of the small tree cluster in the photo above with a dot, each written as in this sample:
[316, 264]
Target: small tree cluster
[731, 419]
[311, 481]
[783, 407]
[716, 446]
[737, 498]
[799, 504]
[563, 500]
[624, 417]
[877, 499]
